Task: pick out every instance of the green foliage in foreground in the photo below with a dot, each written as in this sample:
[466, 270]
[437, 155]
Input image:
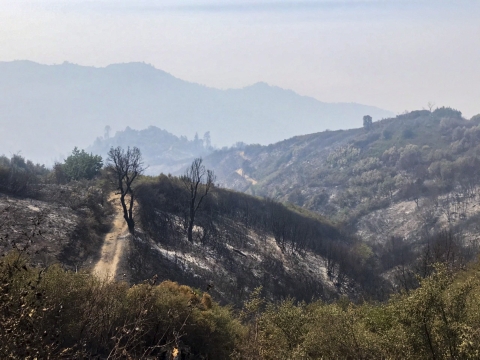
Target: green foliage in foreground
[52, 313]
[439, 320]
[55, 314]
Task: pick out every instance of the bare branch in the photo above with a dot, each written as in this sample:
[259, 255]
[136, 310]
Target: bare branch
[196, 179]
[126, 166]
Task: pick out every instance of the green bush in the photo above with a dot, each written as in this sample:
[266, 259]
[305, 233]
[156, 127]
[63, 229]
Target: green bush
[439, 320]
[408, 133]
[18, 176]
[81, 165]
[447, 112]
[53, 313]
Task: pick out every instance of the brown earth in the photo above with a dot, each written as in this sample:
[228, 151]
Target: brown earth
[114, 243]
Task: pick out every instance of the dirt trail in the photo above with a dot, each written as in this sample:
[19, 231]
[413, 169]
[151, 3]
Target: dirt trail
[113, 244]
[246, 177]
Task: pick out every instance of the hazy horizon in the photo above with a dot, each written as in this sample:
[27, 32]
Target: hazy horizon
[396, 55]
[46, 110]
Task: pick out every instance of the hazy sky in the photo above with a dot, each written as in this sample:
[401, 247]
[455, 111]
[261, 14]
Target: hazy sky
[394, 54]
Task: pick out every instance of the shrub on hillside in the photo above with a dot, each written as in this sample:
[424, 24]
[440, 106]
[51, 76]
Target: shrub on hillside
[17, 175]
[81, 165]
[438, 320]
[408, 133]
[447, 112]
[52, 313]
[475, 119]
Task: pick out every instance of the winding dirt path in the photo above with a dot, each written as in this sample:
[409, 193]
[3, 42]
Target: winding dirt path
[113, 244]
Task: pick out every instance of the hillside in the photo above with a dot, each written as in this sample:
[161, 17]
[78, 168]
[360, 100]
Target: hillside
[58, 107]
[286, 274]
[56, 224]
[57, 314]
[403, 192]
[241, 242]
[405, 178]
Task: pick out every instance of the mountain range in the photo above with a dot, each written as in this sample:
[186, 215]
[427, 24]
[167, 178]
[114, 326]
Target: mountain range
[58, 107]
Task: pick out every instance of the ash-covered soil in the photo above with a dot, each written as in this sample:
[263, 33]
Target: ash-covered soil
[63, 224]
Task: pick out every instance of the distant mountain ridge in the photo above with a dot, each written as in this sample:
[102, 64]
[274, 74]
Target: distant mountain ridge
[49, 109]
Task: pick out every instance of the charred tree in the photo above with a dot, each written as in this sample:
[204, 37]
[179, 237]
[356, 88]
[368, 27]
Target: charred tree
[198, 182]
[126, 166]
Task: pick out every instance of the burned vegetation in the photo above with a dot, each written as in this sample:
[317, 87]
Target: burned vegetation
[241, 242]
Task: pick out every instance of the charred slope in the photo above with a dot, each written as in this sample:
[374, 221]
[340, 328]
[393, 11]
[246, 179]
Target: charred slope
[408, 186]
[59, 224]
[242, 242]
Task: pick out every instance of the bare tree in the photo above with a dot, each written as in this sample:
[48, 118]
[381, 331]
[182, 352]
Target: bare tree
[198, 182]
[125, 167]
